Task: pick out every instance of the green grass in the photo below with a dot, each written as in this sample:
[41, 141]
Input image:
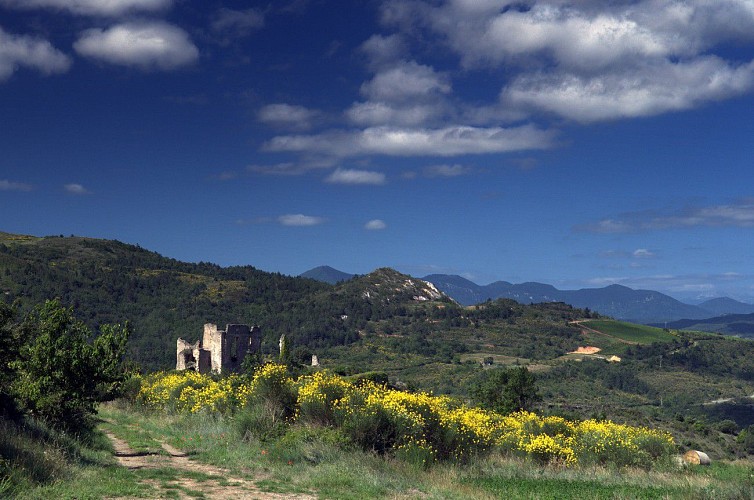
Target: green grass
[318, 461]
[630, 332]
[39, 462]
[129, 428]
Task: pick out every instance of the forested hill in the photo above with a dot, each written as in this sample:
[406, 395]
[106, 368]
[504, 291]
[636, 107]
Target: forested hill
[112, 282]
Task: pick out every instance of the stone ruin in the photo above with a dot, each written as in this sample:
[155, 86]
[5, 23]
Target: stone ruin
[218, 351]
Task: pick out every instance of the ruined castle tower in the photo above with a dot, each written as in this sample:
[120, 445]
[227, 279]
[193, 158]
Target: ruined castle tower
[219, 351]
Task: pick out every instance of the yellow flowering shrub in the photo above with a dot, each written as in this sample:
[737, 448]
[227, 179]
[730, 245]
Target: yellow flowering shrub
[189, 391]
[417, 427]
[273, 389]
[319, 395]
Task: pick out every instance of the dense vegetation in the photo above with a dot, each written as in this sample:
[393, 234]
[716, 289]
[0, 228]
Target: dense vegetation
[416, 427]
[385, 326]
[53, 370]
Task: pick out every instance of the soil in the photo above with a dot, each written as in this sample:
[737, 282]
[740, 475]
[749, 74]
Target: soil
[219, 485]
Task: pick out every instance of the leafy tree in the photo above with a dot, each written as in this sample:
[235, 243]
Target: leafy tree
[61, 374]
[506, 391]
[9, 351]
[746, 439]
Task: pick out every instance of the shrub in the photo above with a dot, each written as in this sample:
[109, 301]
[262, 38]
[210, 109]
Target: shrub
[273, 389]
[318, 396]
[61, 376]
[253, 421]
[416, 452]
[416, 427]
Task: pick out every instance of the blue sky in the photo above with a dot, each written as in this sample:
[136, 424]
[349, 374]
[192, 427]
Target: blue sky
[574, 143]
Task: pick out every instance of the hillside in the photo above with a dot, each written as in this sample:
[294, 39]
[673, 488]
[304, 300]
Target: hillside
[724, 305]
[730, 324]
[398, 326]
[112, 282]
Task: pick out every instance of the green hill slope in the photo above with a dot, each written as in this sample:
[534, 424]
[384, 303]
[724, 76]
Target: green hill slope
[399, 326]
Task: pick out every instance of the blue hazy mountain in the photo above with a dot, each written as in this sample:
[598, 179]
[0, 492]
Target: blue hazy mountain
[326, 274]
[617, 301]
[725, 305]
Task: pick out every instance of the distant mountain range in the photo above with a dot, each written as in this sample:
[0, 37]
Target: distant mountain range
[617, 301]
[730, 324]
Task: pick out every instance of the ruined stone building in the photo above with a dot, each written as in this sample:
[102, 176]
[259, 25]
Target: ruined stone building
[218, 351]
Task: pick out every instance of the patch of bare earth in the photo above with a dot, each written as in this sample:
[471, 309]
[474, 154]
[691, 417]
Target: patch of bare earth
[218, 483]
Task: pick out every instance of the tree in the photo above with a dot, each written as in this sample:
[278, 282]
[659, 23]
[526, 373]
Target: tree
[9, 351]
[506, 390]
[61, 374]
[521, 391]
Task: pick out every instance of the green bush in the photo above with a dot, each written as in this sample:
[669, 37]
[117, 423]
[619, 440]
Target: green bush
[272, 389]
[318, 395]
[254, 421]
[61, 376]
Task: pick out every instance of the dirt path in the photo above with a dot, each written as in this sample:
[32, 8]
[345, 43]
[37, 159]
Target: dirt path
[192, 477]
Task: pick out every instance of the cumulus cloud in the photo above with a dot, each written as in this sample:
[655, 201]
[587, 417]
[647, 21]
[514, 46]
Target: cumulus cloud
[30, 52]
[398, 141]
[592, 60]
[739, 214]
[76, 189]
[146, 45]
[6, 185]
[382, 50]
[401, 93]
[645, 91]
[372, 113]
[91, 7]
[286, 115]
[404, 81]
[300, 220]
[375, 225]
[351, 176]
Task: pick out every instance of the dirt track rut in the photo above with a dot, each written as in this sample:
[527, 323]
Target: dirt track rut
[218, 483]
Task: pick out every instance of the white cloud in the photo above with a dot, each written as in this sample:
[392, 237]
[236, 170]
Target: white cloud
[375, 225]
[407, 80]
[739, 214]
[378, 113]
[586, 34]
[6, 185]
[591, 60]
[286, 115]
[446, 170]
[91, 7]
[643, 253]
[572, 37]
[403, 93]
[300, 220]
[397, 141]
[237, 22]
[351, 176]
[382, 50]
[642, 91]
[145, 45]
[76, 189]
[30, 52]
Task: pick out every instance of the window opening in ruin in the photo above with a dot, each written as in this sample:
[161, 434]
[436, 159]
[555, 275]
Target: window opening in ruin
[189, 361]
[234, 349]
